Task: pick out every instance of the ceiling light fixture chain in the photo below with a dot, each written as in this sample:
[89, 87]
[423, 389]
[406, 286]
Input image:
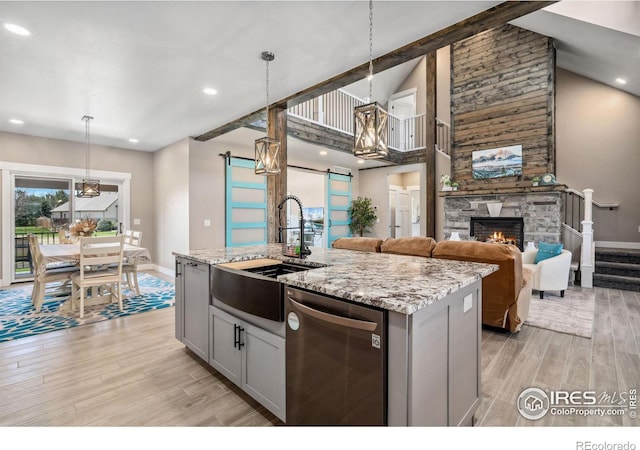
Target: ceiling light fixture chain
[370, 77]
[87, 137]
[370, 121]
[267, 70]
[88, 188]
[266, 148]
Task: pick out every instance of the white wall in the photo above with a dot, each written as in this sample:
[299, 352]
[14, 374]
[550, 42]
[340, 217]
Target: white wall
[309, 187]
[171, 192]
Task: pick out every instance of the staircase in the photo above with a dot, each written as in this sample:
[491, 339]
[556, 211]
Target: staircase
[617, 268]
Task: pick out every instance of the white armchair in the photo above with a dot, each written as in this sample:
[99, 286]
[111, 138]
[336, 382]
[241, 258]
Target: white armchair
[550, 274]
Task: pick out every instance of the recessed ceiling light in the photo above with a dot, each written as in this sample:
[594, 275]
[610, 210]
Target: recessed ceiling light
[17, 29]
[621, 81]
[17, 121]
[361, 161]
[209, 91]
[133, 141]
[323, 152]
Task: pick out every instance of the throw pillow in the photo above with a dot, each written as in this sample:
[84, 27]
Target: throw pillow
[546, 251]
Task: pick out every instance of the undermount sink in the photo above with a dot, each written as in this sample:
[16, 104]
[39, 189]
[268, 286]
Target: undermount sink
[252, 287]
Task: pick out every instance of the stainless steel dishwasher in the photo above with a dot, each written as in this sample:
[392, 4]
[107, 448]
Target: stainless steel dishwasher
[336, 361]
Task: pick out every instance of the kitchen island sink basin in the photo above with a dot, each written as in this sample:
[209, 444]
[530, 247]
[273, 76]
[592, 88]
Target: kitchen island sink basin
[252, 286]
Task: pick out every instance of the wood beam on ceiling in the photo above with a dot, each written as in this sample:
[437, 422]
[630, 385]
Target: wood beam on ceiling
[485, 20]
[332, 139]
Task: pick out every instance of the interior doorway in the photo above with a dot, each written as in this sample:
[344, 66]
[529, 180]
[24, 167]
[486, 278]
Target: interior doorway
[402, 105]
[404, 204]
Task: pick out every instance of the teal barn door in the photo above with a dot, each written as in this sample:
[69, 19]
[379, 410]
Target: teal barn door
[246, 203]
[338, 202]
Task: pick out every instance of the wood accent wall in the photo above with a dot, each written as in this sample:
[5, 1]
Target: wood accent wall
[502, 94]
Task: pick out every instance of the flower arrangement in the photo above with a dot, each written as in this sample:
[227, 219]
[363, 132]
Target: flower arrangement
[447, 184]
[535, 180]
[83, 227]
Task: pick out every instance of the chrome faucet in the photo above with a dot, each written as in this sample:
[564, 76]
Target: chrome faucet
[304, 250]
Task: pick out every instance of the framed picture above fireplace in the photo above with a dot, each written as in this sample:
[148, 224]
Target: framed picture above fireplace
[497, 162]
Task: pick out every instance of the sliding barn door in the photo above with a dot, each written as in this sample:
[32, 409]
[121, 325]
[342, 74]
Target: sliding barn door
[246, 204]
[338, 202]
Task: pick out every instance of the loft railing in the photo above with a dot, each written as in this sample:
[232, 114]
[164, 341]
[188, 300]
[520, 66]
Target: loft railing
[443, 137]
[335, 110]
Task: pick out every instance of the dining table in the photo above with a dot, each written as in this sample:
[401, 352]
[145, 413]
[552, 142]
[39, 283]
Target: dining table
[67, 254]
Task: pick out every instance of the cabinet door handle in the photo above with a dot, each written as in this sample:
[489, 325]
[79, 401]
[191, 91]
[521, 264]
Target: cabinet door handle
[240, 343]
[236, 338]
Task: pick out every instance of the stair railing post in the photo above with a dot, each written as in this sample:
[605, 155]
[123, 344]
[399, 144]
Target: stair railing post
[588, 246]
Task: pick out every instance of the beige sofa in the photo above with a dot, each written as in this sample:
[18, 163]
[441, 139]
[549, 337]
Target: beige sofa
[506, 293]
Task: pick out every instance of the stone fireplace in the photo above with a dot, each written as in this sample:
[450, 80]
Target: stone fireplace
[540, 213]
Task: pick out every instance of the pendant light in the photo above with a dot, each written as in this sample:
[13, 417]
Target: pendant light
[88, 188]
[370, 132]
[267, 149]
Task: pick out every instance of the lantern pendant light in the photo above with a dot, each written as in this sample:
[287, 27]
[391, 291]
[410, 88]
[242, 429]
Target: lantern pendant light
[88, 188]
[370, 130]
[267, 148]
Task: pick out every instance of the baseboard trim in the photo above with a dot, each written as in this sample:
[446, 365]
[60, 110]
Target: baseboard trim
[614, 244]
[163, 270]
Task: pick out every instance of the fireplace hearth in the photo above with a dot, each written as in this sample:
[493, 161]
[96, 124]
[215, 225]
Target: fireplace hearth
[504, 230]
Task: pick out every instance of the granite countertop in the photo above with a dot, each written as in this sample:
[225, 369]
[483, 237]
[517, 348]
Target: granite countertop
[404, 284]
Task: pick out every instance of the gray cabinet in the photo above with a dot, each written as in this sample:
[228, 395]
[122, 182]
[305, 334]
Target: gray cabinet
[434, 362]
[251, 357]
[192, 306]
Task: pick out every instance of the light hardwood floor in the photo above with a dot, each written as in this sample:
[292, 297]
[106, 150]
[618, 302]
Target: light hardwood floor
[133, 372]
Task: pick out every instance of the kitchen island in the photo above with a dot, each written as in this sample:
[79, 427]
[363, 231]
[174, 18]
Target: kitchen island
[433, 324]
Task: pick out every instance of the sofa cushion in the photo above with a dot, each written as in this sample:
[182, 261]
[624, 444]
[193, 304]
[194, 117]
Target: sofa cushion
[546, 251]
[363, 244]
[414, 246]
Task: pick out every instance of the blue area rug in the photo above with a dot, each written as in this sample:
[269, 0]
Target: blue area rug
[19, 319]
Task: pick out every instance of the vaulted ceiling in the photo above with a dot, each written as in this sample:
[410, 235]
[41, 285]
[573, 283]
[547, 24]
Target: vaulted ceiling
[140, 67]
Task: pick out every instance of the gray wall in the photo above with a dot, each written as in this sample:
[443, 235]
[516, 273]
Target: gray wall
[171, 206]
[598, 147]
[26, 149]
[417, 79]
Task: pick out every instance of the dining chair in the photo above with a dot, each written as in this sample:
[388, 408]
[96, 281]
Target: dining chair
[44, 274]
[100, 266]
[130, 265]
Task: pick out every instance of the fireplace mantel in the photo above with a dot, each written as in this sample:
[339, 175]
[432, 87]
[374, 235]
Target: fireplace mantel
[504, 189]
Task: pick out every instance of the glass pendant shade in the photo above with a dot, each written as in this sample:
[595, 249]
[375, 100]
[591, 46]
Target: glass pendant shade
[370, 131]
[267, 150]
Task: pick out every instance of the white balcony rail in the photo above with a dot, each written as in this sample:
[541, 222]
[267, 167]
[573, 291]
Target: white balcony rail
[335, 110]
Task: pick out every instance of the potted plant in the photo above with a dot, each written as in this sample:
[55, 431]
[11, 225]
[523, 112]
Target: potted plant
[446, 182]
[535, 180]
[455, 185]
[362, 216]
